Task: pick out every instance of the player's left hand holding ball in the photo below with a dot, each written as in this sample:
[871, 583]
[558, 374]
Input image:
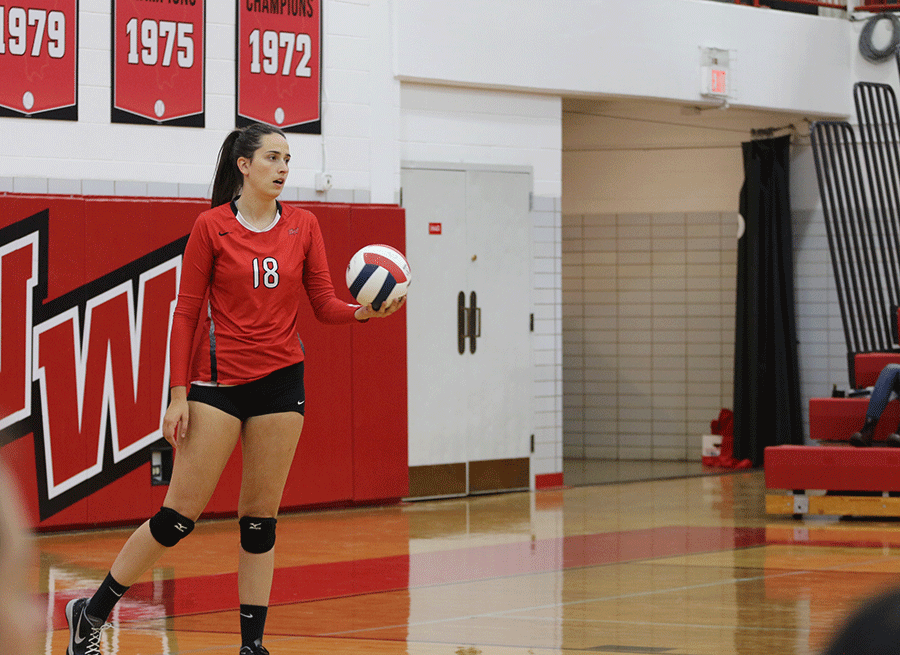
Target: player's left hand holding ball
[366, 312]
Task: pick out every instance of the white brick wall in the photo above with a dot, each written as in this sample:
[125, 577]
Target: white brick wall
[548, 371]
[94, 156]
[648, 349]
[648, 320]
[821, 347]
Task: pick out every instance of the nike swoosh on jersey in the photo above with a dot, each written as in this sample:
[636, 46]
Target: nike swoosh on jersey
[222, 234]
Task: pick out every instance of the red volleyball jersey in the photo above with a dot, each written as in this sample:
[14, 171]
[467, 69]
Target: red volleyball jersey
[252, 282]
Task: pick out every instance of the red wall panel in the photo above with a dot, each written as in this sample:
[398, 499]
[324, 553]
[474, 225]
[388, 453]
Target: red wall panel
[91, 252]
[118, 231]
[322, 470]
[380, 438]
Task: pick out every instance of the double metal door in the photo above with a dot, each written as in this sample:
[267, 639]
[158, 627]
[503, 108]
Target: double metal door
[468, 235]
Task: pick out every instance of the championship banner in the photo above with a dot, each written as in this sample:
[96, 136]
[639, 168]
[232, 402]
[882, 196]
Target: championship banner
[158, 62]
[279, 64]
[39, 59]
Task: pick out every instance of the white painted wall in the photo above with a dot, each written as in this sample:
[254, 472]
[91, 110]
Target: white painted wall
[599, 48]
[647, 49]
[359, 146]
[483, 126]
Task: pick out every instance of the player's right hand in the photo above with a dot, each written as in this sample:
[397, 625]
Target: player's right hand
[175, 421]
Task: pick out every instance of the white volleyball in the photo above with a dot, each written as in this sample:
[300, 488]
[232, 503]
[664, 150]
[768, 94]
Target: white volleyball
[378, 274]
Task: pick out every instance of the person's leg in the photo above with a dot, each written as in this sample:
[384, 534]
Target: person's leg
[888, 383]
[893, 439]
[268, 445]
[199, 460]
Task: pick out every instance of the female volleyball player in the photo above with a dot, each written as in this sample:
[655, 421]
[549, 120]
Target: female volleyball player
[253, 256]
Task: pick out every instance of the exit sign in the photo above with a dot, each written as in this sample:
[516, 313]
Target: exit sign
[717, 82]
[715, 73]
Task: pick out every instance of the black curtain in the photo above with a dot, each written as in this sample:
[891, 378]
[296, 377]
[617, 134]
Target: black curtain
[767, 406]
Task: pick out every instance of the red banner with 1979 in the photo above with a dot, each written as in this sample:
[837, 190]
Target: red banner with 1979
[158, 62]
[39, 58]
[279, 60]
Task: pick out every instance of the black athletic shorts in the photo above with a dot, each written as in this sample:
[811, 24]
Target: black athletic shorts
[279, 391]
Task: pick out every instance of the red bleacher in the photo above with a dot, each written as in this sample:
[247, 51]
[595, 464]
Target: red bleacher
[834, 466]
[835, 419]
[862, 244]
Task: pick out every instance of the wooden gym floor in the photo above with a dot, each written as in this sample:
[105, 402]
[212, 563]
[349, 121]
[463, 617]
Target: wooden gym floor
[684, 566]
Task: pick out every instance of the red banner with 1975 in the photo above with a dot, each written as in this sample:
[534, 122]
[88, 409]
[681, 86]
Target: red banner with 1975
[158, 62]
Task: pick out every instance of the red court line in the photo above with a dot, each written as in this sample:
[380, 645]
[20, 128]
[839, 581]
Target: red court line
[295, 584]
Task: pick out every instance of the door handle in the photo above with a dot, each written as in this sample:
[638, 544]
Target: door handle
[468, 321]
[474, 321]
[461, 322]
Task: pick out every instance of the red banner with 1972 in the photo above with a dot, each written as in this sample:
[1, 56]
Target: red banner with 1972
[158, 62]
[279, 60]
[39, 58]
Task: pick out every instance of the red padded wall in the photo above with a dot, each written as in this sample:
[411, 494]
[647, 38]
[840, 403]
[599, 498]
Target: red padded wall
[354, 444]
[323, 470]
[86, 239]
[380, 438]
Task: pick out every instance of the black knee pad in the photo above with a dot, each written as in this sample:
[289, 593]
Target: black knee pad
[257, 534]
[169, 527]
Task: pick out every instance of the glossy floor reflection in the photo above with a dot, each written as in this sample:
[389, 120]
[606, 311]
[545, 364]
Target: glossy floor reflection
[683, 566]
[579, 472]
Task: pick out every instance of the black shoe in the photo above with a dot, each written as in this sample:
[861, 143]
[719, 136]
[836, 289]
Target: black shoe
[84, 631]
[892, 440]
[255, 649]
[863, 438]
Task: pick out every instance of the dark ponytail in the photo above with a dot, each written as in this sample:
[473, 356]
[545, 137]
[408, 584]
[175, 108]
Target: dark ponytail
[239, 143]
